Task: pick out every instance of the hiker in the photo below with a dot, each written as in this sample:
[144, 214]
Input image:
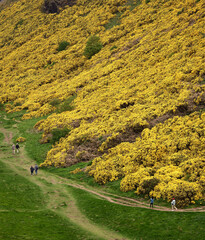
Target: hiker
[173, 203]
[151, 202]
[31, 169]
[17, 147]
[13, 148]
[36, 168]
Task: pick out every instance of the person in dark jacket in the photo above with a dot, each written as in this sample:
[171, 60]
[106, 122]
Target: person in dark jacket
[17, 147]
[36, 169]
[32, 170]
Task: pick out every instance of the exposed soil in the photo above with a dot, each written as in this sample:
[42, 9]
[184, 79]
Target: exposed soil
[53, 6]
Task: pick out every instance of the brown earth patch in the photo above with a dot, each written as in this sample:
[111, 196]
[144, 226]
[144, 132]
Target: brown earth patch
[53, 6]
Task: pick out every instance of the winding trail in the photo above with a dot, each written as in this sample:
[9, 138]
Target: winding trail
[57, 193]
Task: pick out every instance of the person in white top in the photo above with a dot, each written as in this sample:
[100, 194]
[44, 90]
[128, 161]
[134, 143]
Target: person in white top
[173, 203]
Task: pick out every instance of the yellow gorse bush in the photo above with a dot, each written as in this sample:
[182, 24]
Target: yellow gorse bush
[21, 139]
[77, 170]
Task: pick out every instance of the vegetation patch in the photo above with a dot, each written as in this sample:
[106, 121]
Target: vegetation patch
[1, 106]
[58, 133]
[113, 47]
[19, 23]
[133, 3]
[113, 21]
[118, 10]
[55, 102]
[66, 105]
[62, 46]
[50, 64]
[93, 46]
[1, 137]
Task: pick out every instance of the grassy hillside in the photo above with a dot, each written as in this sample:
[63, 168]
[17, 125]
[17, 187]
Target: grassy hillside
[135, 105]
[24, 213]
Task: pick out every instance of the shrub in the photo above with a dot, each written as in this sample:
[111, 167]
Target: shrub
[185, 192]
[132, 4]
[55, 102]
[147, 185]
[132, 181]
[58, 133]
[1, 106]
[21, 139]
[66, 105]
[180, 12]
[62, 46]
[93, 46]
[17, 104]
[113, 21]
[77, 170]
[113, 47]
[19, 23]
[49, 65]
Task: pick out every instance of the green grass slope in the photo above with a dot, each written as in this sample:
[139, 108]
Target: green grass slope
[23, 212]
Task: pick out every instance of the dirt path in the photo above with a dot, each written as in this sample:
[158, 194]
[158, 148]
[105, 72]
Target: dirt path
[61, 201]
[131, 202]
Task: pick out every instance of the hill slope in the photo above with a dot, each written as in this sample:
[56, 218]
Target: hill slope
[150, 69]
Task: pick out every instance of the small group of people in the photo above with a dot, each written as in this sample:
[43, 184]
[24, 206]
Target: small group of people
[15, 148]
[35, 168]
[173, 203]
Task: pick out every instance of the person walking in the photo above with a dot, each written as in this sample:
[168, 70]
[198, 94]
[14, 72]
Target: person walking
[173, 204]
[17, 147]
[14, 148]
[151, 202]
[36, 169]
[31, 169]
